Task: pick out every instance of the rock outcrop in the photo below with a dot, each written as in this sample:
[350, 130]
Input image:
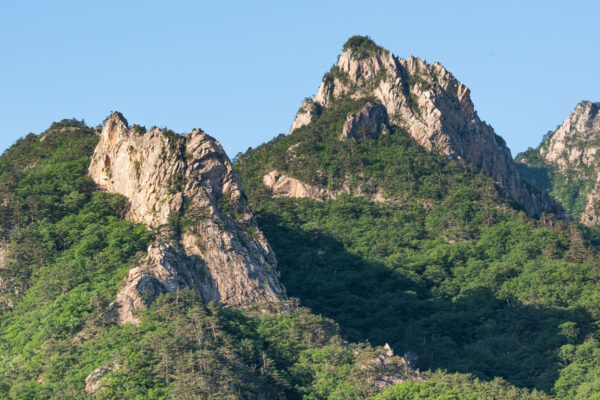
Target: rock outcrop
[282, 185]
[306, 114]
[393, 370]
[5, 279]
[573, 149]
[383, 369]
[2, 263]
[572, 144]
[431, 105]
[371, 120]
[166, 269]
[286, 186]
[185, 188]
[94, 380]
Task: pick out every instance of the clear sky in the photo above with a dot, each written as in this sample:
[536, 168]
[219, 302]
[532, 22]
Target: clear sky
[240, 70]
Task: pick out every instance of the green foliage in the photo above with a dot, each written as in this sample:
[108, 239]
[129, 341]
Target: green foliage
[417, 80]
[362, 46]
[458, 387]
[580, 379]
[533, 170]
[172, 138]
[335, 73]
[69, 249]
[138, 129]
[569, 187]
[380, 77]
[445, 269]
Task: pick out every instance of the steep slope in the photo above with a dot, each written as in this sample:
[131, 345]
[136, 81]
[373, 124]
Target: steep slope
[408, 246]
[188, 181]
[567, 163]
[68, 247]
[428, 103]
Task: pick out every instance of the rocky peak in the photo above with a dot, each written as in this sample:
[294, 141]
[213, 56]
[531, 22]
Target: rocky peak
[184, 186]
[572, 144]
[573, 149]
[431, 105]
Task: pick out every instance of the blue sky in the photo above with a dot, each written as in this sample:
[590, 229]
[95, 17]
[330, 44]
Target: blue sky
[240, 70]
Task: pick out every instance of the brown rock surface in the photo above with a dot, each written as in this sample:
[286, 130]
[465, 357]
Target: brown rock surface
[185, 188]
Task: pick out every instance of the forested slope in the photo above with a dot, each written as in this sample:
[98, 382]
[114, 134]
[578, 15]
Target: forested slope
[566, 164]
[395, 214]
[67, 249]
[427, 254]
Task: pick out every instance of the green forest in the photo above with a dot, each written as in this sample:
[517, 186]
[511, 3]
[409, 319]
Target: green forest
[476, 299]
[446, 271]
[68, 250]
[569, 187]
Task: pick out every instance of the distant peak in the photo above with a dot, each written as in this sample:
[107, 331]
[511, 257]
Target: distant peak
[116, 118]
[114, 127]
[362, 46]
[586, 104]
[587, 112]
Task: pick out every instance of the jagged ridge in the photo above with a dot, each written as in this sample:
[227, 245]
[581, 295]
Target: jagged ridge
[567, 163]
[185, 187]
[431, 105]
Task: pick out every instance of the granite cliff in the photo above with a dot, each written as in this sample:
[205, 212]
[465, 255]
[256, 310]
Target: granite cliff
[184, 187]
[429, 103]
[570, 161]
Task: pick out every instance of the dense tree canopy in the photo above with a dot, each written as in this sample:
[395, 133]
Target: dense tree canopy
[68, 249]
[448, 272]
[446, 269]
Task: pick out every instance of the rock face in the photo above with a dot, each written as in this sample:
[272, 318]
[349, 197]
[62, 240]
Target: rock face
[390, 374]
[3, 300]
[371, 120]
[5, 281]
[93, 382]
[166, 269]
[573, 150]
[185, 188]
[383, 369]
[286, 186]
[431, 105]
[307, 113]
[572, 143]
[283, 185]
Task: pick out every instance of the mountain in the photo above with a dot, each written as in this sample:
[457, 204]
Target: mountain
[132, 267]
[384, 219]
[566, 163]
[386, 249]
[427, 102]
[186, 184]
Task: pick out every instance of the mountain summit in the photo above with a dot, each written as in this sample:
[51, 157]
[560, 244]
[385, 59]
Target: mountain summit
[132, 264]
[131, 267]
[567, 163]
[429, 103]
[185, 185]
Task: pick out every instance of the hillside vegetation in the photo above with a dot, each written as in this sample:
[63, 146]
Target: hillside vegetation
[378, 241]
[68, 249]
[444, 270]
